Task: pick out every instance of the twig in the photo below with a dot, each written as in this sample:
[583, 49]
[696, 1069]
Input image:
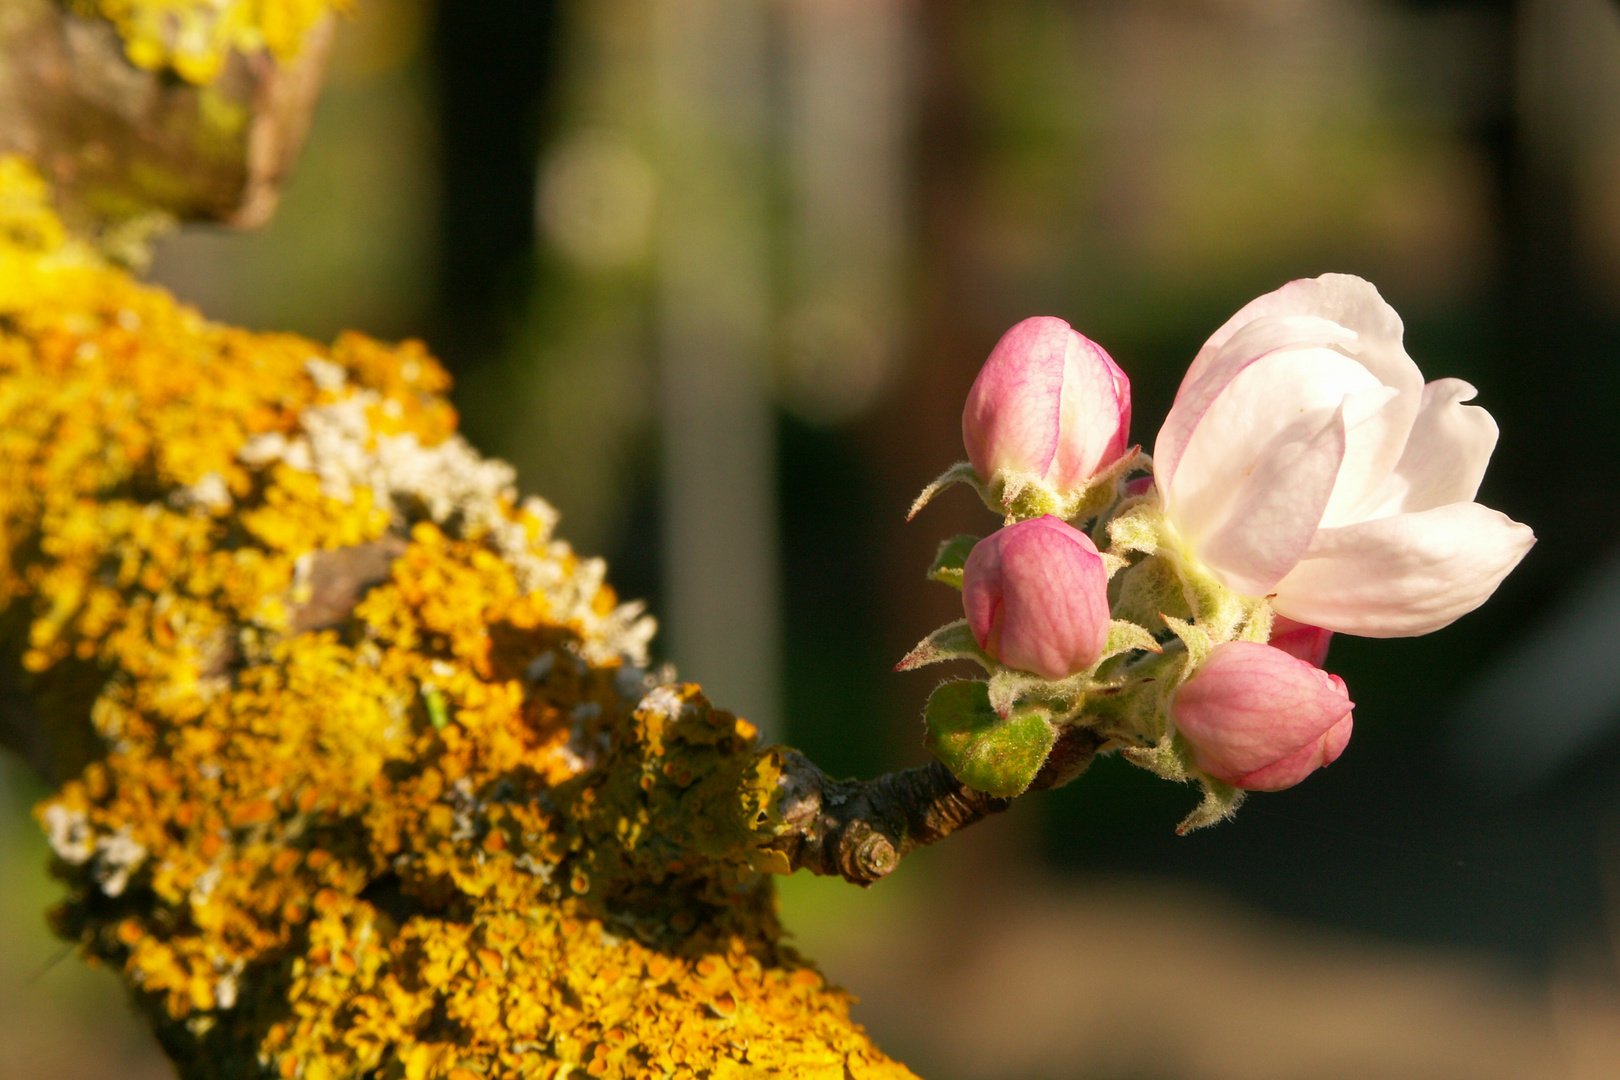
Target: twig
[861, 829]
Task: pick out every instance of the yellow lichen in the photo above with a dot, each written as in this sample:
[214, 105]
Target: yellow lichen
[448, 833]
[194, 36]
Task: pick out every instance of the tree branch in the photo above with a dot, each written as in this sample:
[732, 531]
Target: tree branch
[114, 139]
[861, 829]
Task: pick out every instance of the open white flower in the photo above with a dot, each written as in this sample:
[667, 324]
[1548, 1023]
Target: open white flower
[1305, 459]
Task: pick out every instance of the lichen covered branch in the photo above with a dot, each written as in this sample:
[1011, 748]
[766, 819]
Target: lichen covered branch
[358, 769]
[195, 110]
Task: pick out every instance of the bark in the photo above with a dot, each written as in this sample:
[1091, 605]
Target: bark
[861, 829]
[118, 142]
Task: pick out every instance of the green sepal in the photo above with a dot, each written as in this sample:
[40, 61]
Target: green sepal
[953, 641]
[1220, 802]
[960, 473]
[1149, 589]
[1257, 625]
[1008, 685]
[948, 562]
[1021, 496]
[1125, 636]
[992, 755]
[1165, 759]
[1215, 607]
[1137, 527]
[1198, 641]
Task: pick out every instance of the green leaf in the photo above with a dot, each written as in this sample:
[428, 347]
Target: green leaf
[995, 756]
[948, 562]
[953, 641]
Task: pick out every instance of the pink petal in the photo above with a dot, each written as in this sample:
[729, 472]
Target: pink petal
[1358, 321]
[1376, 425]
[1036, 597]
[1300, 764]
[1251, 707]
[1300, 640]
[1096, 413]
[1014, 410]
[1403, 575]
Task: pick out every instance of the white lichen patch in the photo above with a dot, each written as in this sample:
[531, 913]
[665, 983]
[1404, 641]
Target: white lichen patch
[69, 834]
[461, 491]
[117, 857]
[325, 374]
[209, 494]
[204, 886]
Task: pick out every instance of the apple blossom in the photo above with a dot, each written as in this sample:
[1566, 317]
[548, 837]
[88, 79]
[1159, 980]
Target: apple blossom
[1308, 643]
[1260, 719]
[1036, 597]
[1305, 459]
[1049, 409]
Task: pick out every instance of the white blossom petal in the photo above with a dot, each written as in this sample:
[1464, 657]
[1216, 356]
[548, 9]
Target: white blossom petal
[1275, 513]
[1403, 575]
[1377, 423]
[1274, 405]
[1216, 367]
[1445, 456]
[1345, 299]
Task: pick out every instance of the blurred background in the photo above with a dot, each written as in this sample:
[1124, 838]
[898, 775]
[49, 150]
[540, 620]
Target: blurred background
[716, 276]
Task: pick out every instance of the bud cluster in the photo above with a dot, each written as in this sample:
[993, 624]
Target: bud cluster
[1179, 608]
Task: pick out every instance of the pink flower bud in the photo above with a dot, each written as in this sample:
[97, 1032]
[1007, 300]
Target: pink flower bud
[1048, 403]
[1260, 719]
[1036, 596]
[1308, 643]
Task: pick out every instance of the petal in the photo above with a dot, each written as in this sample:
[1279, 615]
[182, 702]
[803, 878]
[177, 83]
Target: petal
[1055, 592]
[1403, 575]
[1036, 597]
[1353, 302]
[1445, 456]
[1300, 764]
[1215, 368]
[1376, 427]
[1347, 302]
[1013, 411]
[1251, 706]
[1300, 640]
[1096, 413]
[1261, 465]
[1270, 522]
[981, 594]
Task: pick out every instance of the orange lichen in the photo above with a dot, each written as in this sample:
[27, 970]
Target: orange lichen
[194, 36]
[452, 832]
